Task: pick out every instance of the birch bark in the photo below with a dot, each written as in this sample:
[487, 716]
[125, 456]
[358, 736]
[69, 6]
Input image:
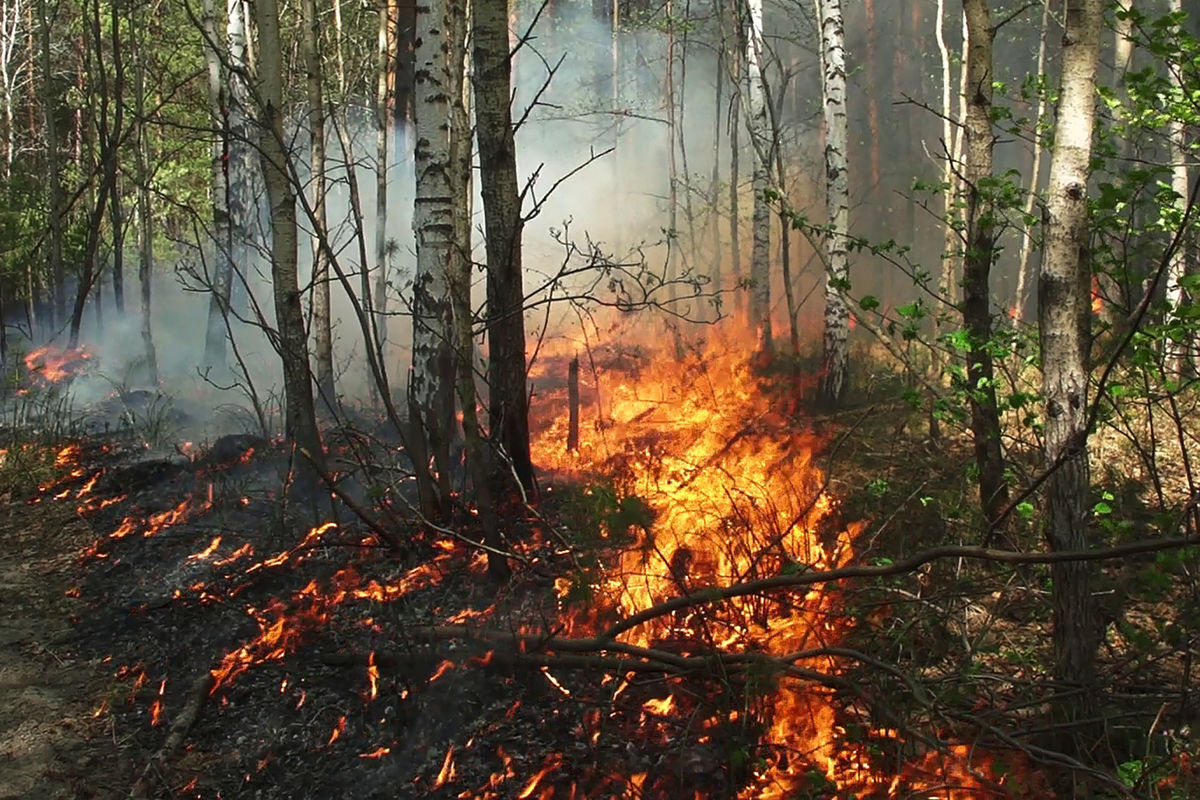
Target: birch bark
[1064, 314]
[836, 359]
[760, 225]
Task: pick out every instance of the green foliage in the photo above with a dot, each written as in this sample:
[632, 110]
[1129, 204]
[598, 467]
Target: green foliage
[598, 515]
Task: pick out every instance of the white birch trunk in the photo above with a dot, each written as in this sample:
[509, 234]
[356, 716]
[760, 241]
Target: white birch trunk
[1177, 351]
[433, 212]
[321, 316]
[836, 359]
[383, 123]
[756, 123]
[1064, 317]
[1035, 172]
[221, 271]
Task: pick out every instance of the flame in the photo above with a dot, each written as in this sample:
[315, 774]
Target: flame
[1097, 300]
[372, 676]
[731, 494]
[156, 708]
[51, 364]
[378, 752]
[661, 707]
[284, 625]
[337, 730]
[447, 773]
[441, 670]
[552, 763]
[206, 552]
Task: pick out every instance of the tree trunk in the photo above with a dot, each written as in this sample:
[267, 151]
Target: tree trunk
[49, 103]
[433, 228]
[144, 210]
[116, 212]
[836, 360]
[1035, 172]
[1064, 310]
[978, 256]
[383, 123]
[1177, 349]
[508, 413]
[221, 274]
[321, 321]
[300, 422]
[756, 123]
[735, 212]
[489, 18]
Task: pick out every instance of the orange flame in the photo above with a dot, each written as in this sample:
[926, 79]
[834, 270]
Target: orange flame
[447, 773]
[52, 364]
[337, 730]
[156, 707]
[206, 552]
[372, 676]
[731, 493]
[552, 763]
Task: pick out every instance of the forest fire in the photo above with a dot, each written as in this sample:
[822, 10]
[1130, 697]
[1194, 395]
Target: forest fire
[50, 365]
[733, 496]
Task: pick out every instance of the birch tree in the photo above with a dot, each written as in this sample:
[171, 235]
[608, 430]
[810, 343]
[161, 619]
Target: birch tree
[237, 166]
[979, 240]
[145, 212]
[321, 321]
[1177, 351]
[508, 413]
[1064, 314]
[760, 138]
[836, 359]
[433, 230]
[221, 271]
[379, 302]
[290, 337]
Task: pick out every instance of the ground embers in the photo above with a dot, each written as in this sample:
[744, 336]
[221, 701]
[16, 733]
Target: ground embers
[248, 651]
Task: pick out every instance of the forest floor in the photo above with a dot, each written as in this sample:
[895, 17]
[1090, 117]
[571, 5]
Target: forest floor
[52, 744]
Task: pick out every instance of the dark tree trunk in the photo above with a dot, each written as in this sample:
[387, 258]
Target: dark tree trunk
[301, 422]
[977, 263]
[508, 413]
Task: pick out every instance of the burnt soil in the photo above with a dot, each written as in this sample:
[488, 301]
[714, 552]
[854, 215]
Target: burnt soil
[52, 745]
[111, 640]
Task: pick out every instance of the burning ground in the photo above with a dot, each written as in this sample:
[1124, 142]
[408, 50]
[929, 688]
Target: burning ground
[659, 639]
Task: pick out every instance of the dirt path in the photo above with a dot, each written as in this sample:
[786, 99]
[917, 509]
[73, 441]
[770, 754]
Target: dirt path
[51, 745]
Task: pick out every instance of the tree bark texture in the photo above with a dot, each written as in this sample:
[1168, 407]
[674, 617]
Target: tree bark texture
[1177, 350]
[301, 422]
[433, 228]
[760, 138]
[1064, 310]
[978, 255]
[144, 210]
[508, 412]
[382, 125]
[321, 317]
[49, 104]
[221, 272]
[835, 364]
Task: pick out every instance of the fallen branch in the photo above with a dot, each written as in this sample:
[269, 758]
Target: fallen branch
[188, 716]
